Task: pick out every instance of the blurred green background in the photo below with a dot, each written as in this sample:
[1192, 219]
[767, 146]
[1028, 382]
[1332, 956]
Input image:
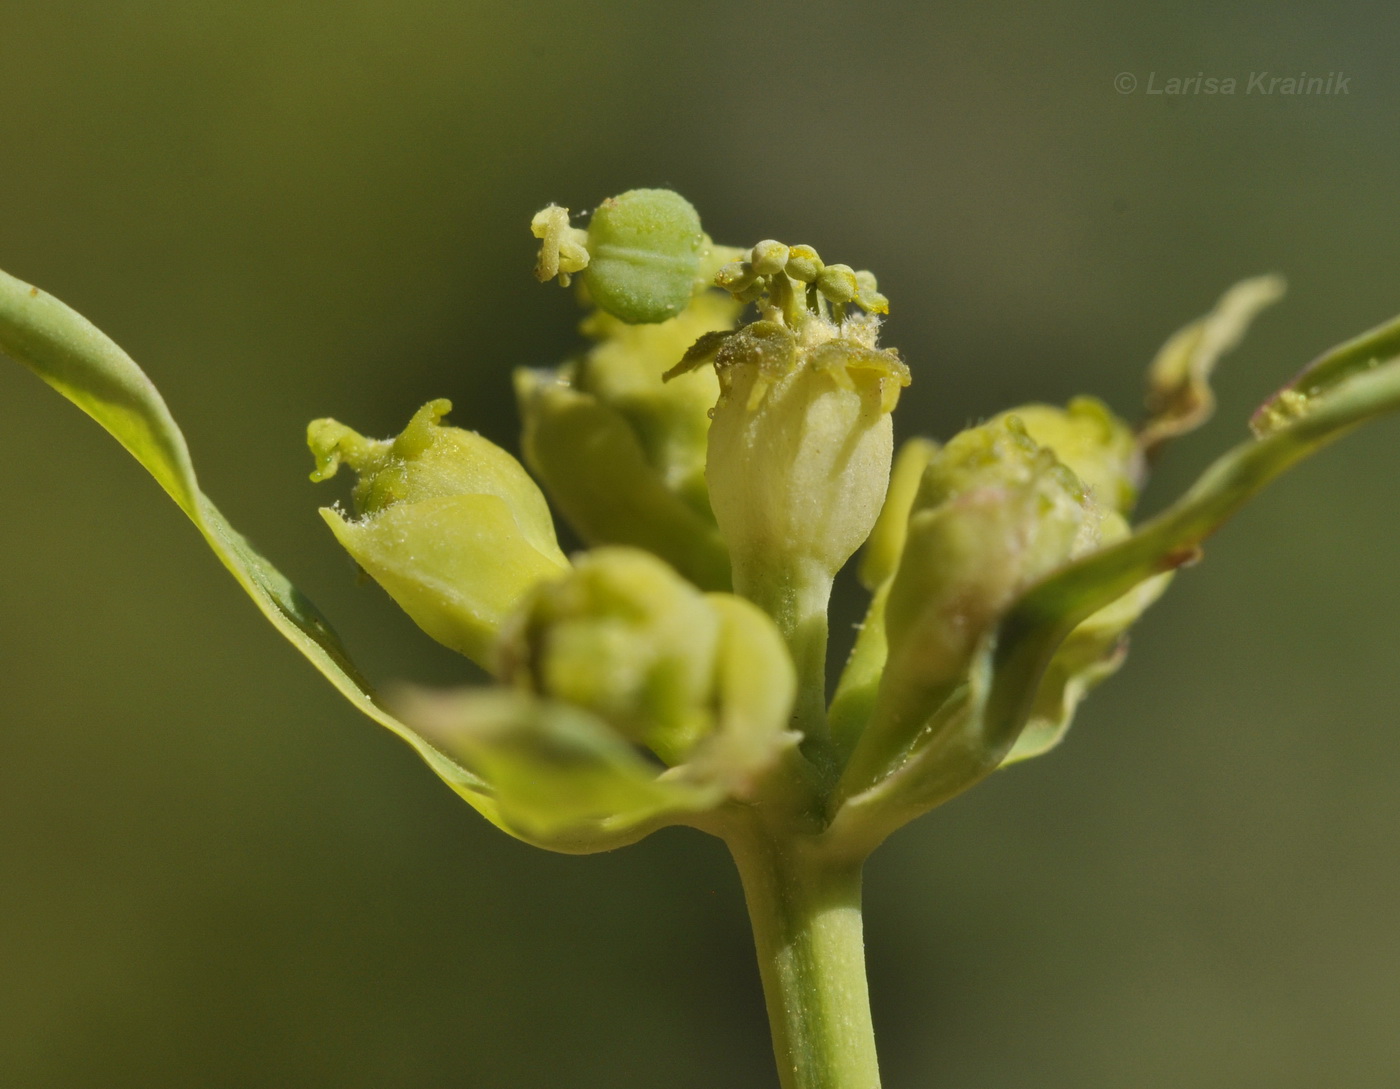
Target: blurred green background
[213, 873]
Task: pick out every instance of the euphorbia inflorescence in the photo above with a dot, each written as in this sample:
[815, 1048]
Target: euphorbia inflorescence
[699, 446]
[721, 465]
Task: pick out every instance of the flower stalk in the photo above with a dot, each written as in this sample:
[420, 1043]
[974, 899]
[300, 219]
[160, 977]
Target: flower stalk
[796, 596]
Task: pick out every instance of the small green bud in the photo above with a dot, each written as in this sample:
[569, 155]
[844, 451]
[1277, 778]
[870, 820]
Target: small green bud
[838, 284]
[769, 257]
[645, 247]
[447, 522]
[994, 512]
[868, 296]
[803, 264]
[625, 637]
[668, 667]
[736, 276]
[791, 282]
[967, 557]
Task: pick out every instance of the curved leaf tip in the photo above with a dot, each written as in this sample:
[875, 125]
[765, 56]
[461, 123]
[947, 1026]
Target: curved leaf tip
[1179, 397]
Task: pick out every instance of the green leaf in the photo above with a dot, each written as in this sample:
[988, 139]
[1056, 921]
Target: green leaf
[77, 359]
[563, 778]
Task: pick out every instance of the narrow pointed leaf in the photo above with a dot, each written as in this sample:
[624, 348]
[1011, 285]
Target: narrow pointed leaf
[74, 357]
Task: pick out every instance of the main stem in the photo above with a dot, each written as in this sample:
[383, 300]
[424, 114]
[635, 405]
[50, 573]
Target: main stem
[805, 911]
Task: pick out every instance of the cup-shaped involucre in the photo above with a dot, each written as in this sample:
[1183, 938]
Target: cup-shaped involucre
[447, 522]
[625, 637]
[800, 449]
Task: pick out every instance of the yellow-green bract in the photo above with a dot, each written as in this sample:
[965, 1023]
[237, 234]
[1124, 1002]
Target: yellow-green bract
[447, 522]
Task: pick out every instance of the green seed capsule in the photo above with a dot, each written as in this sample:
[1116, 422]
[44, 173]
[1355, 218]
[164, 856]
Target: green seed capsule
[645, 248]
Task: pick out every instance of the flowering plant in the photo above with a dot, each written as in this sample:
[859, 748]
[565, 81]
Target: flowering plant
[721, 468]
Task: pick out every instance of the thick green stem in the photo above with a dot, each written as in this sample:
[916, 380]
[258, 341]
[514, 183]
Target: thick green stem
[805, 911]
